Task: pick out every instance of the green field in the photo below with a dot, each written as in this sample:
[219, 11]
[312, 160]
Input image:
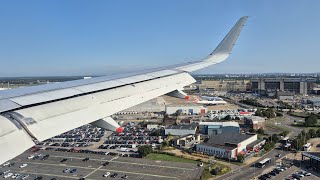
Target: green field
[165, 157]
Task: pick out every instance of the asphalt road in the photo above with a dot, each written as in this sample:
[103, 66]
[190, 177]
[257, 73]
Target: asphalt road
[289, 121]
[250, 171]
[134, 168]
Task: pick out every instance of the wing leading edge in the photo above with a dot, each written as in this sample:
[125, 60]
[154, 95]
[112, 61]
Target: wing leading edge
[28, 115]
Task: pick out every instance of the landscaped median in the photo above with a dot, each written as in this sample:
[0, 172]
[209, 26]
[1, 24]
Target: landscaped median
[166, 157]
[217, 169]
[210, 170]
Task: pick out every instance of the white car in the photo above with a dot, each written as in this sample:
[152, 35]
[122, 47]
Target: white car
[8, 175]
[15, 176]
[280, 169]
[5, 172]
[6, 164]
[308, 174]
[23, 165]
[106, 174]
[31, 157]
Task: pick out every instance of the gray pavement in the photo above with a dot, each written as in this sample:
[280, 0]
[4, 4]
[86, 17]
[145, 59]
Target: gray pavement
[134, 168]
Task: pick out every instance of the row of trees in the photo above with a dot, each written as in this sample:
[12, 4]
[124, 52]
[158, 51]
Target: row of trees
[269, 113]
[304, 136]
[252, 102]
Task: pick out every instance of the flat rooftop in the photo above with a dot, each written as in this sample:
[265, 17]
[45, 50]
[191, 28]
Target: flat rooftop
[185, 127]
[224, 124]
[226, 138]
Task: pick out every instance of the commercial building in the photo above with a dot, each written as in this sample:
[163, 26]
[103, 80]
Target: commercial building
[186, 140]
[180, 130]
[215, 128]
[255, 122]
[297, 85]
[185, 109]
[210, 86]
[227, 145]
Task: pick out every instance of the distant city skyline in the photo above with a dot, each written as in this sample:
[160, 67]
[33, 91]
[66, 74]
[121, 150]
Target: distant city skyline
[81, 38]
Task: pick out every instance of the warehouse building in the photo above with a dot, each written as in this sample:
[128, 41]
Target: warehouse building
[255, 122]
[187, 140]
[211, 86]
[297, 85]
[185, 109]
[227, 145]
[180, 130]
[215, 128]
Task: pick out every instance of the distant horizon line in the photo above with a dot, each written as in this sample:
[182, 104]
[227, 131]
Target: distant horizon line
[196, 74]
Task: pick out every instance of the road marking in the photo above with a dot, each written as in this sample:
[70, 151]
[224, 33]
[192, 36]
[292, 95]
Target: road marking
[99, 168]
[55, 175]
[80, 167]
[124, 162]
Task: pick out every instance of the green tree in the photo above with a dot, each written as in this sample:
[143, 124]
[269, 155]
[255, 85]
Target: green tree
[312, 133]
[311, 120]
[240, 157]
[268, 146]
[252, 131]
[258, 112]
[165, 143]
[144, 150]
[274, 138]
[279, 114]
[260, 131]
[318, 132]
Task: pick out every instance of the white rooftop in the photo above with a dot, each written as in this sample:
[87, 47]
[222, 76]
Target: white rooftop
[227, 123]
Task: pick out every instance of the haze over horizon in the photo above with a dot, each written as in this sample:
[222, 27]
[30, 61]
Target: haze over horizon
[50, 38]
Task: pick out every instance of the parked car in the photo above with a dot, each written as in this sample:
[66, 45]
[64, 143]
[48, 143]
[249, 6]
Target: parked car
[114, 175]
[23, 165]
[124, 177]
[6, 164]
[8, 175]
[106, 174]
[66, 170]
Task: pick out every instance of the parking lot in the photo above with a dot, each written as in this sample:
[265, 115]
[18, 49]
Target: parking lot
[288, 174]
[133, 168]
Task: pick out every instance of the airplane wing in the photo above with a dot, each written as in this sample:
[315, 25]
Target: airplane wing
[32, 114]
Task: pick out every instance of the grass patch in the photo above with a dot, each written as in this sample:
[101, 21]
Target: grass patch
[277, 127]
[302, 124]
[216, 169]
[299, 114]
[165, 157]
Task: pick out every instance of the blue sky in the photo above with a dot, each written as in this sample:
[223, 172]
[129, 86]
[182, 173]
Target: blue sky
[49, 38]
